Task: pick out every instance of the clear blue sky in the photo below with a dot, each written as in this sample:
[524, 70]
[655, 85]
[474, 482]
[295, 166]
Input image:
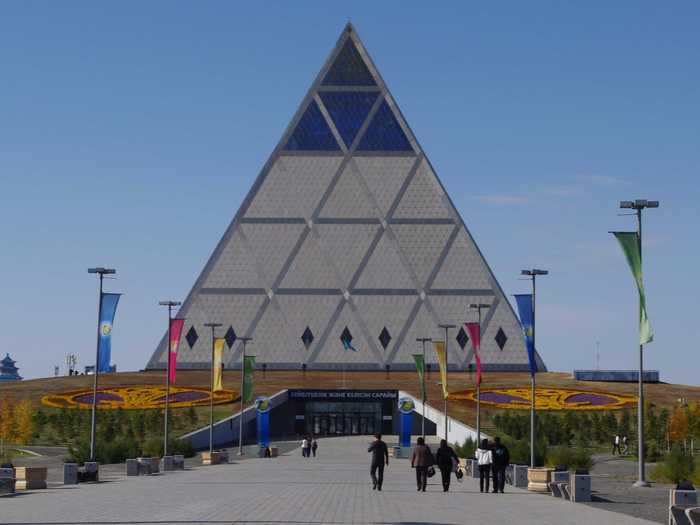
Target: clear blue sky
[130, 132]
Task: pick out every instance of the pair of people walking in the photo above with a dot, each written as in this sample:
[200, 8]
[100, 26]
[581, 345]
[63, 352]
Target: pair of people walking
[492, 460]
[309, 446]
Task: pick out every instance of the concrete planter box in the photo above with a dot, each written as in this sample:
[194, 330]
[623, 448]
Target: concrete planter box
[168, 463]
[520, 476]
[7, 481]
[30, 478]
[538, 479]
[89, 473]
[70, 473]
[132, 467]
[179, 462]
[580, 488]
[148, 466]
[214, 458]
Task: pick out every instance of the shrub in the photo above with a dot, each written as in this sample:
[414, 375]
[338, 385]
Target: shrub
[572, 458]
[466, 449]
[676, 467]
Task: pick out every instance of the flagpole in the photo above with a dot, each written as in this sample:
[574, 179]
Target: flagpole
[446, 327]
[213, 327]
[240, 417]
[170, 305]
[101, 272]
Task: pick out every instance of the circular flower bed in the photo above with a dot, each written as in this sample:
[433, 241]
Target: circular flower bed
[547, 399]
[138, 397]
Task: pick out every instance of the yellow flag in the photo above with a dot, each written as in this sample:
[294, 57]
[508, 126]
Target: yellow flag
[218, 362]
[439, 347]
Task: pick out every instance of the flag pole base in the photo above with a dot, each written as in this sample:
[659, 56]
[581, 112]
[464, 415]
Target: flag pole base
[642, 484]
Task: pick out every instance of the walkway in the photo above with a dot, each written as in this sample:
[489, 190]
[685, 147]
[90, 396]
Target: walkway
[331, 489]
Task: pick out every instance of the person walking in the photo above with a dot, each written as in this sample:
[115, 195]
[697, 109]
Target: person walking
[308, 446]
[421, 460]
[501, 459]
[616, 444]
[304, 446]
[625, 446]
[445, 458]
[380, 457]
[484, 458]
[314, 447]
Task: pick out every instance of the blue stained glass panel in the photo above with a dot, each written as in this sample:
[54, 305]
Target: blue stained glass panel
[384, 133]
[349, 69]
[312, 133]
[348, 109]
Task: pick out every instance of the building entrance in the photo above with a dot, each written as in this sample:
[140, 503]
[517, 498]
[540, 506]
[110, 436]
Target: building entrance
[339, 419]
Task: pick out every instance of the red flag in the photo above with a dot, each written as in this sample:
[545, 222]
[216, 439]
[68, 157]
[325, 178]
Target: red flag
[175, 332]
[474, 330]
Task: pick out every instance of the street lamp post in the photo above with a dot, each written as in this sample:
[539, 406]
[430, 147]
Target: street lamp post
[446, 327]
[170, 305]
[213, 327]
[638, 205]
[101, 272]
[423, 340]
[533, 274]
[245, 340]
[478, 307]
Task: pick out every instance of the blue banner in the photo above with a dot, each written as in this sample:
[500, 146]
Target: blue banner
[262, 412]
[108, 307]
[525, 309]
[406, 407]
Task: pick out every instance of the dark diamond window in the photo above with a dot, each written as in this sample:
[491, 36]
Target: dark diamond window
[346, 336]
[307, 337]
[349, 109]
[230, 336]
[385, 338]
[384, 133]
[349, 69]
[191, 336]
[312, 133]
[462, 338]
[501, 338]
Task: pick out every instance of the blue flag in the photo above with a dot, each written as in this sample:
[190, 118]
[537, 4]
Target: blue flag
[108, 308]
[526, 321]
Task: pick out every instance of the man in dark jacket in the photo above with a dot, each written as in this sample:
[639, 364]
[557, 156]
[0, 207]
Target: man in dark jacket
[422, 460]
[380, 456]
[501, 459]
[445, 459]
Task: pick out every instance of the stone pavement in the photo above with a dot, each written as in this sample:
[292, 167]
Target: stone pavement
[333, 488]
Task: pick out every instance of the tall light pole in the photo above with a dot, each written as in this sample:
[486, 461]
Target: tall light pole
[101, 272]
[170, 305]
[638, 205]
[446, 327]
[423, 340]
[478, 307]
[245, 340]
[533, 274]
[213, 327]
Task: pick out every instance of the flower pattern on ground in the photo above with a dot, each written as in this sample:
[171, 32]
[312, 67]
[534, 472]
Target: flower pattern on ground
[547, 399]
[138, 397]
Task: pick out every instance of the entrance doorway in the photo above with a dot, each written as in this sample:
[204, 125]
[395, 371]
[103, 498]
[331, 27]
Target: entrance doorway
[343, 419]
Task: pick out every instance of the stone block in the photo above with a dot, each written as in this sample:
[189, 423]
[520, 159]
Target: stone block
[132, 467]
[179, 462]
[7, 485]
[155, 465]
[168, 463]
[520, 476]
[214, 458]
[70, 473]
[145, 468]
[30, 478]
[580, 488]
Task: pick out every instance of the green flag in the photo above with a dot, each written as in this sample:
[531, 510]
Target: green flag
[248, 378]
[629, 241]
[420, 368]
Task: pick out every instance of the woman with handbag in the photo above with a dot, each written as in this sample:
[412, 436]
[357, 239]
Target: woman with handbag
[422, 460]
[445, 458]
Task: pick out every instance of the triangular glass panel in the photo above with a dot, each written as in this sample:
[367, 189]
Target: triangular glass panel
[384, 133]
[349, 109]
[312, 133]
[349, 69]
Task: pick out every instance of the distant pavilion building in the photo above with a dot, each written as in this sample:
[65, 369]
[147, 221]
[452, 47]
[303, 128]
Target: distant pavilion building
[8, 370]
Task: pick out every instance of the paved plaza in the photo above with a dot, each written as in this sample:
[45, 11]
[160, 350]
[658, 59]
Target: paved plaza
[333, 488]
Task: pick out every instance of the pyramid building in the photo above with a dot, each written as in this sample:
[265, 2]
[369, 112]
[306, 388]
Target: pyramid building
[347, 247]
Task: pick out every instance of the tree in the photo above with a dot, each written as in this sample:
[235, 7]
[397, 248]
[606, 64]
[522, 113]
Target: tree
[678, 427]
[8, 429]
[24, 421]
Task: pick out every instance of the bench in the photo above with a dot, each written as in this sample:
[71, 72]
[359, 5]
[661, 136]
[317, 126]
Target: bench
[678, 502]
[214, 458]
[30, 478]
[693, 514]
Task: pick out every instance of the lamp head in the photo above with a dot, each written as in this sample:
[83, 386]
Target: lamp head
[102, 271]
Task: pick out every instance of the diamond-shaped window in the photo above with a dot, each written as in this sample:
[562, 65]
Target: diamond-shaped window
[230, 336]
[307, 337]
[462, 338]
[191, 336]
[346, 336]
[501, 338]
[385, 338]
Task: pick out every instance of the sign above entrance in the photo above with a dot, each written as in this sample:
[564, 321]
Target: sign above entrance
[343, 395]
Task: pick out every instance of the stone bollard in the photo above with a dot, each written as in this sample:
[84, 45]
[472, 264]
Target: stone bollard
[580, 488]
[179, 462]
[132, 467]
[7, 481]
[168, 463]
[70, 473]
[520, 476]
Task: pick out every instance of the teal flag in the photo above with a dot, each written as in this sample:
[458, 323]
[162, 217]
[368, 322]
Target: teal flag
[629, 242]
[248, 378]
[420, 368]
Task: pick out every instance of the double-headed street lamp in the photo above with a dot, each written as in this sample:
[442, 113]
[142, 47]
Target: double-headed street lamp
[478, 307]
[533, 275]
[170, 305]
[638, 205]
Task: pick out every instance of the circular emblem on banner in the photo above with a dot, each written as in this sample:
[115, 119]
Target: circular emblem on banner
[548, 399]
[406, 405]
[106, 329]
[262, 404]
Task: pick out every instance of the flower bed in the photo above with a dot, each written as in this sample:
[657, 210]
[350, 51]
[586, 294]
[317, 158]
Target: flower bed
[547, 399]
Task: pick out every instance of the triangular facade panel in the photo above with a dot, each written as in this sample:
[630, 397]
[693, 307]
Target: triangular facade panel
[347, 231]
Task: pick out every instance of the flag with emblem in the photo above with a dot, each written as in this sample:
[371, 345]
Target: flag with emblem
[439, 347]
[108, 307]
[218, 364]
[527, 319]
[248, 378]
[420, 368]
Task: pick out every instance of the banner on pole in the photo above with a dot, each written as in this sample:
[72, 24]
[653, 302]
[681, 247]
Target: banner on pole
[406, 408]
[629, 242]
[175, 333]
[218, 364]
[248, 378]
[420, 368]
[474, 330]
[108, 307]
[439, 347]
[262, 415]
[525, 310]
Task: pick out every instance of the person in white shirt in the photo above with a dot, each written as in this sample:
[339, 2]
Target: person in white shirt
[484, 458]
[616, 444]
[304, 447]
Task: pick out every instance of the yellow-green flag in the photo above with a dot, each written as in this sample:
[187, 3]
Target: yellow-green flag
[248, 378]
[420, 368]
[439, 347]
[629, 242]
[217, 364]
